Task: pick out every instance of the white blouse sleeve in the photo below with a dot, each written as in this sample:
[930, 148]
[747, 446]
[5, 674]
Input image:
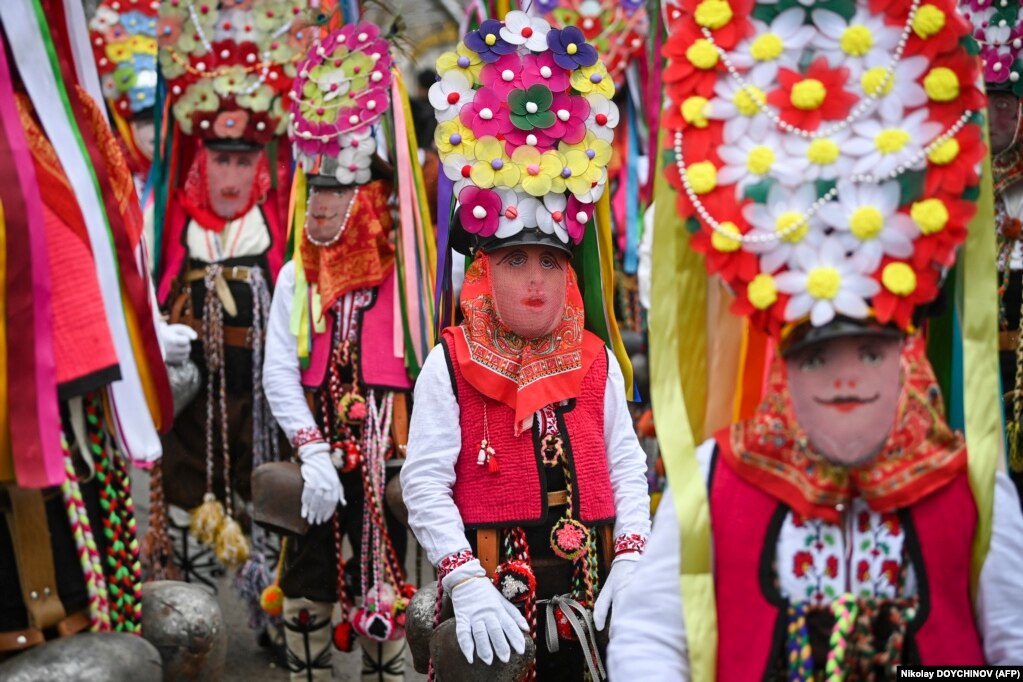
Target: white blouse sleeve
[434, 443]
[999, 603]
[626, 460]
[282, 378]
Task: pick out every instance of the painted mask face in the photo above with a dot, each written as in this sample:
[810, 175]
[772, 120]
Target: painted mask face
[1003, 114]
[327, 208]
[529, 288]
[231, 175]
[144, 132]
[845, 393]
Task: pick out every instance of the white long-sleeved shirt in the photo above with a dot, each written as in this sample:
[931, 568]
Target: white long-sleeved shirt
[435, 441]
[648, 636]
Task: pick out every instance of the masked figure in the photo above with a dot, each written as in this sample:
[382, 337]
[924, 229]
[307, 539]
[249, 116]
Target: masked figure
[842, 514]
[334, 382]
[525, 483]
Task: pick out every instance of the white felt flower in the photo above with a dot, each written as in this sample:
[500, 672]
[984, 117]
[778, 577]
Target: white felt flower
[737, 107]
[772, 46]
[882, 148]
[521, 29]
[518, 211]
[823, 155]
[868, 223]
[603, 116]
[550, 216]
[850, 44]
[449, 94]
[752, 159]
[901, 92]
[457, 168]
[782, 221]
[825, 282]
[353, 166]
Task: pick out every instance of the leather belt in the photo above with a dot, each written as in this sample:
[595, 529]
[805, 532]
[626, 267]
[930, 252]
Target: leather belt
[235, 273]
[558, 498]
[1008, 341]
[237, 337]
[16, 640]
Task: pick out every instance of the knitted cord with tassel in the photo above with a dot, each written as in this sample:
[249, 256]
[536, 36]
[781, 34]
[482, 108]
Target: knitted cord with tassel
[516, 548]
[156, 552]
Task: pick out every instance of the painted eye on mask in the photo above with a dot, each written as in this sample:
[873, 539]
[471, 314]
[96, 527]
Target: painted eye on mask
[549, 262]
[811, 362]
[869, 356]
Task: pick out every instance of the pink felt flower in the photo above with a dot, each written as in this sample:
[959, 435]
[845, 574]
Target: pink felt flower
[541, 139]
[541, 69]
[230, 124]
[503, 75]
[576, 217]
[570, 115]
[479, 210]
[486, 114]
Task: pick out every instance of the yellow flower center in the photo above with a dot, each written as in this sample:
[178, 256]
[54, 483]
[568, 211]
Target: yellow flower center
[767, 47]
[872, 79]
[930, 214]
[491, 39]
[702, 54]
[762, 292]
[856, 41]
[760, 160]
[945, 153]
[572, 48]
[866, 222]
[746, 103]
[694, 111]
[891, 140]
[784, 223]
[823, 283]
[808, 94]
[723, 243]
[713, 14]
[942, 84]
[928, 21]
[899, 279]
[822, 152]
[703, 176]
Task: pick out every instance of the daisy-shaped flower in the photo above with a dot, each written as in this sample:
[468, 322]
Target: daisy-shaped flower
[541, 69]
[783, 221]
[518, 211]
[537, 171]
[807, 99]
[449, 94]
[587, 161]
[851, 43]
[737, 107]
[773, 45]
[458, 169]
[750, 160]
[762, 302]
[479, 210]
[570, 115]
[823, 155]
[603, 117]
[492, 167]
[487, 41]
[824, 282]
[868, 222]
[522, 29]
[593, 79]
[463, 60]
[486, 115]
[452, 137]
[550, 215]
[903, 289]
[503, 75]
[881, 149]
[577, 215]
[693, 63]
[951, 85]
[898, 92]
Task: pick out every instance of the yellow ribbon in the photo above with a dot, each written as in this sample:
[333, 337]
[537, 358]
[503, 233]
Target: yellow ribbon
[677, 369]
[607, 278]
[978, 308]
[6, 461]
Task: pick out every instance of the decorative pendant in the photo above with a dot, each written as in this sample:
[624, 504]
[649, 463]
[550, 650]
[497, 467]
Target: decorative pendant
[552, 450]
[344, 636]
[353, 457]
[568, 538]
[351, 409]
[487, 456]
[515, 581]
[372, 623]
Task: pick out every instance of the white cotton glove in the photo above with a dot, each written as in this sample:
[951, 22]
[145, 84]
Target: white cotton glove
[621, 572]
[321, 492]
[177, 342]
[484, 620]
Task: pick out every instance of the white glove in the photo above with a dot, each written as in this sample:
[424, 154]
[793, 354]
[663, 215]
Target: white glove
[482, 616]
[177, 342]
[621, 572]
[321, 492]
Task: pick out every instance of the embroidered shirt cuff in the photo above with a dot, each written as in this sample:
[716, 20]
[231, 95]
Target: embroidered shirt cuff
[626, 544]
[453, 561]
[306, 435]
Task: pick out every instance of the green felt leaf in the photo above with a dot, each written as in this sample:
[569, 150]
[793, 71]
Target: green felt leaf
[541, 95]
[542, 119]
[757, 192]
[521, 121]
[517, 101]
[911, 186]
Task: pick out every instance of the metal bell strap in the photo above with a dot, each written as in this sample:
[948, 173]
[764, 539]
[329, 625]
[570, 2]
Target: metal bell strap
[580, 619]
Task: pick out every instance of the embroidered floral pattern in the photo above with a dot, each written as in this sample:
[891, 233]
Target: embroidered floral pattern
[453, 561]
[306, 435]
[633, 542]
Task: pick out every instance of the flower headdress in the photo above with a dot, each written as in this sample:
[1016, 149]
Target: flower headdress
[826, 154]
[340, 93]
[124, 46]
[228, 64]
[525, 121]
[617, 29]
[998, 28]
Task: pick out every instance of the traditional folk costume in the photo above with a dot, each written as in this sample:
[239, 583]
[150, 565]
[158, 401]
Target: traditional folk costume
[227, 68]
[523, 468]
[827, 181]
[333, 378]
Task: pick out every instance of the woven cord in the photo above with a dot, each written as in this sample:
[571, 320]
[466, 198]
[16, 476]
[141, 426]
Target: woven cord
[797, 645]
[844, 609]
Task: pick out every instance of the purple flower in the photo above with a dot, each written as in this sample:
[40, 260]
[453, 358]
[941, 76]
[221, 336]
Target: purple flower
[487, 41]
[570, 49]
[545, 6]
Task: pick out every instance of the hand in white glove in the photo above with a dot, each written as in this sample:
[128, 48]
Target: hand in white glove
[617, 579]
[177, 342]
[484, 620]
[322, 492]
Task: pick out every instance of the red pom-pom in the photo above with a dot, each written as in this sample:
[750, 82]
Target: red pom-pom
[344, 637]
[408, 590]
[515, 581]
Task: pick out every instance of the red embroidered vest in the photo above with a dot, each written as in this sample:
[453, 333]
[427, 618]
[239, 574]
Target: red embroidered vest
[752, 613]
[517, 495]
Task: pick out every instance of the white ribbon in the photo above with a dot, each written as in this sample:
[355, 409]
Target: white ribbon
[581, 620]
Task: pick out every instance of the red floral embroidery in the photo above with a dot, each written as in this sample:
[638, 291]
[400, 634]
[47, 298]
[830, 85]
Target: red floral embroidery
[863, 570]
[890, 570]
[863, 521]
[831, 566]
[801, 562]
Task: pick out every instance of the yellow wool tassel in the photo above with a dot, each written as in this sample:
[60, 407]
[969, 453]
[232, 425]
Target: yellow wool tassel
[272, 599]
[232, 547]
[207, 519]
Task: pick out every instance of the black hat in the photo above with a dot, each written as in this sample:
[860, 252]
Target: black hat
[806, 334]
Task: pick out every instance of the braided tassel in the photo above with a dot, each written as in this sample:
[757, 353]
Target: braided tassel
[844, 609]
[85, 544]
[133, 558]
[797, 645]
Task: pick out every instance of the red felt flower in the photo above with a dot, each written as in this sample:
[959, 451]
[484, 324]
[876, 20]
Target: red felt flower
[954, 166]
[937, 27]
[951, 86]
[724, 256]
[890, 570]
[903, 288]
[943, 229]
[831, 566]
[801, 563]
[693, 63]
[711, 13]
[863, 570]
[805, 100]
